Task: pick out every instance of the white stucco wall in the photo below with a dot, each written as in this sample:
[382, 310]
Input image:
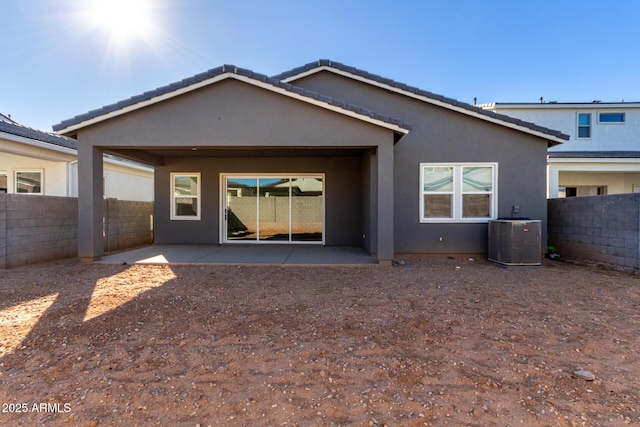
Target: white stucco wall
[128, 183]
[54, 173]
[618, 175]
[564, 117]
[124, 181]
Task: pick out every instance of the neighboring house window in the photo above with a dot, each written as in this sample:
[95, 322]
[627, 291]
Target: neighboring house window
[3, 182]
[185, 196]
[28, 182]
[611, 118]
[457, 192]
[582, 191]
[584, 125]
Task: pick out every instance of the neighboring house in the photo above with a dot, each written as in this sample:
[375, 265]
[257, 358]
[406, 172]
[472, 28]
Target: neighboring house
[37, 162]
[603, 154]
[322, 154]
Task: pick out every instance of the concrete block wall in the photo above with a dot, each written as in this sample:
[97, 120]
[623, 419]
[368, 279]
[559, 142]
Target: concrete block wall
[598, 228]
[127, 224]
[37, 228]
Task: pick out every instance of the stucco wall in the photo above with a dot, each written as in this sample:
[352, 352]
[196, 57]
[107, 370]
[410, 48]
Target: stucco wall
[440, 135]
[54, 172]
[598, 228]
[124, 181]
[604, 136]
[234, 117]
[616, 183]
[36, 228]
[343, 195]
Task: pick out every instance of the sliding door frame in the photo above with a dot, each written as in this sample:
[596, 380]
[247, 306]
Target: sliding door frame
[224, 177]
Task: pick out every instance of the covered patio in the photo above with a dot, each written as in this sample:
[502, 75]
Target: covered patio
[218, 141]
[245, 255]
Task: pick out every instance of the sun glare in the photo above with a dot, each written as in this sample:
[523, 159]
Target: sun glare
[121, 19]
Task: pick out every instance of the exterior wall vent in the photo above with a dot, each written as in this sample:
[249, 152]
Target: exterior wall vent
[515, 241]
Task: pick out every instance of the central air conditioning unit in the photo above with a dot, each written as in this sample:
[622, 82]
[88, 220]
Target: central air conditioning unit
[515, 241]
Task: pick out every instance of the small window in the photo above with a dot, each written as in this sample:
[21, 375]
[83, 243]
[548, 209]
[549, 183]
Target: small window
[584, 125]
[28, 182]
[185, 196]
[464, 192]
[3, 182]
[611, 118]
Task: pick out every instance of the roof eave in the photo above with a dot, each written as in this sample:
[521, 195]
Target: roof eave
[38, 144]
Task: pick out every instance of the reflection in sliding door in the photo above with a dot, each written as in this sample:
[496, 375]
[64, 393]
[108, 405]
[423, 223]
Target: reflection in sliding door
[306, 209]
[274, 209]
[241, 213]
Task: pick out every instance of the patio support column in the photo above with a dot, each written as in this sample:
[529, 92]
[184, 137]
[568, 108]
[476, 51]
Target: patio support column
[90, 203]
[384, 226]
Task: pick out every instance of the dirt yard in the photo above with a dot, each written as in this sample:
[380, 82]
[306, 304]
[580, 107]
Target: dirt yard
[438, 341]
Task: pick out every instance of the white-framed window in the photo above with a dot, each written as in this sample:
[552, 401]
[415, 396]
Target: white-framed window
[462, 192]
[29, 181]
[4, 188]
[611, 118]
[584, 125]
[185, 196]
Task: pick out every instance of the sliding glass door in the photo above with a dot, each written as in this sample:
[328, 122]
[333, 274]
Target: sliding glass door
[274, 208]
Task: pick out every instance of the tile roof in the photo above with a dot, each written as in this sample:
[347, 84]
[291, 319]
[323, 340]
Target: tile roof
[417, 91]
[38, 135]
[6, 118]
[214, 72]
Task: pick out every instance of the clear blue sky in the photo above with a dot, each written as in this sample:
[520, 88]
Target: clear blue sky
[56, 62]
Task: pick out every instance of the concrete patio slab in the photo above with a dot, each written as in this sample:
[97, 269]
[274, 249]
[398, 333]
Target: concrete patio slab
[243, 254]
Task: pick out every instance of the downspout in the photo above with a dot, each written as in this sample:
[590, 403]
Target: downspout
[69, 183]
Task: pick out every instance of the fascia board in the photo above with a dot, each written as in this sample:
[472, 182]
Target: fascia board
[561, 106]
[36, 143]
[424, 99]
[591, 160]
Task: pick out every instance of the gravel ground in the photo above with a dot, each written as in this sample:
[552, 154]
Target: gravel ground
[437, 341]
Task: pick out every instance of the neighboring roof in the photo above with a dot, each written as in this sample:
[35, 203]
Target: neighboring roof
[37, 135]
[560, 105]
[60, 143]
[215, 75]
[594, 154]
[452, 104]
[7, 118]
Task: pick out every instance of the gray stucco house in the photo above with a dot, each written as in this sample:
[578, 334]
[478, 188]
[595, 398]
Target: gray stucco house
[323, 154]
